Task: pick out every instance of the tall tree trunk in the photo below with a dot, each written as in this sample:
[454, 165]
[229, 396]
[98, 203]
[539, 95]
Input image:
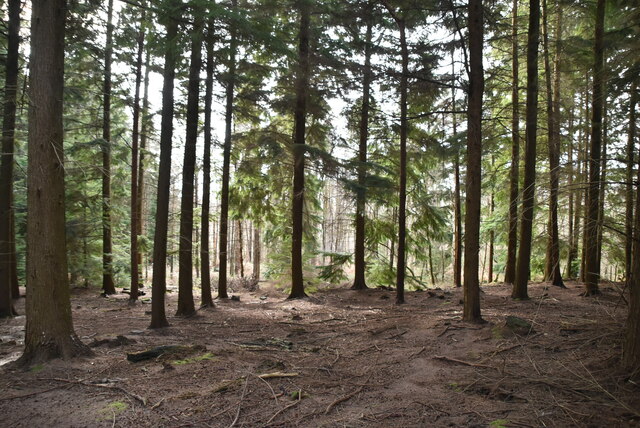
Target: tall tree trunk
[135, 257]
[603, 181]
[568, 272]
[256, 252]
[144, 131]
[585, 179]
[108, 286]
[239, 250]
[514, 175]
[592, 267]
[7, 230]
[49, 330]
[552, 267]
[404, 129]
[205, 272]
[631, 354]
[631, 144]
[159, 282]
[457, 202]
[492, 233]
[300, 113]
[471, 309]
[528, 195]
[226, 162]
[359, 282]
[186, 306]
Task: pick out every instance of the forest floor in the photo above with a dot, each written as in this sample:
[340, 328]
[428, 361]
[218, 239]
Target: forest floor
[339, 358]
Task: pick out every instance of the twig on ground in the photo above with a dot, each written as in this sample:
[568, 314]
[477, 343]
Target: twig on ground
[244, 390]
[277, 374]
[343, 399]
[465, 363]
[415, 354]
[288, 406]
[97, 385]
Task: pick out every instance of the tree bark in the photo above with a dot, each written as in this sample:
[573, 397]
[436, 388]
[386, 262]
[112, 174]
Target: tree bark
[471, 309]
[526, 224]
[205, 271]
[631, 354]
[226, 162]
[108, 286]
[552, 266]
[592, 266]
[135, 138]
[256, 253]
[629, 181]
[144, 130]
[186, 306]
[514, 175]
[159, 283]
[49, 330]
[457, 202]
[7, 230]
[302, 87]
[359, 282]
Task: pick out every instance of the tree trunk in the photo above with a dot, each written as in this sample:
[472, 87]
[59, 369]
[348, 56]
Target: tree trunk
[526, 224]
[629, 181]
[359, 282]
[134, 256]
[226, 162]
[603, 181]
[457, 202]
[108, 286]
[631, 348]
[49, 330]
[256, 253]
[159, 283]
[302, 87]
[492, 233]
[552, 266]
[7, 230]
[186, 306]
[471, 309]
[571, 191]
[592, 267]
[514, 175]
[205, 272]
[144, 130]
[239, 250]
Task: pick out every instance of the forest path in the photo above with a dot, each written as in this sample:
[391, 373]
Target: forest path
[338, 358]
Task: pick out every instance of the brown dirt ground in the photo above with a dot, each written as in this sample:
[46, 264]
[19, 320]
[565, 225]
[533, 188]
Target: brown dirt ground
[354, 359]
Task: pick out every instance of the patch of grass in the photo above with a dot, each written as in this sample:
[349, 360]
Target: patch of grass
[112, 410]
[499, 423]
[454, 386]
[37, 368]
[204, 357]
[496, 332]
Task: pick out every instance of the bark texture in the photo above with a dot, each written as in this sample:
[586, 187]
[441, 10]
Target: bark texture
[186, 306]
[159, 283]
[592, 265]
[528, 194]
[514, 174]
[300, 113]
[471, 309]
[49, 330]
[7, 232]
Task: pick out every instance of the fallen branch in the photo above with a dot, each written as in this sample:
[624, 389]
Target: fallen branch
[97, 385]
[464, 363]
[277, 374]
[288, 406]
[343, 399]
